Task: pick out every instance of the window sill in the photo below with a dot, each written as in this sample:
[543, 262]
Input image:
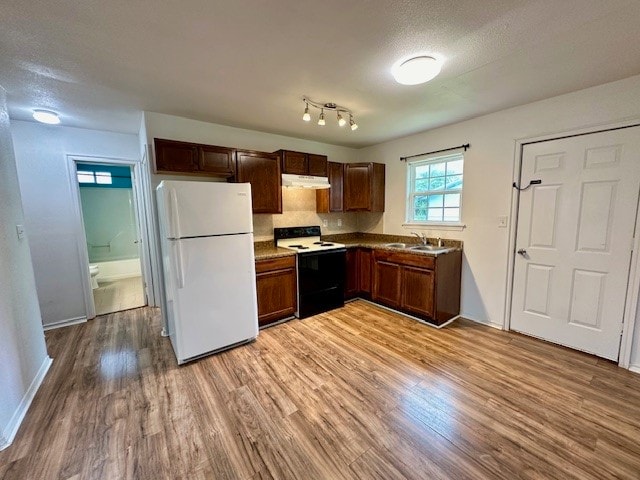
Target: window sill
[436, 226]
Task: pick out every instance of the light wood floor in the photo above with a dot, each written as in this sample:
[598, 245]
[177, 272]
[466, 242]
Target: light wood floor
[357, 393]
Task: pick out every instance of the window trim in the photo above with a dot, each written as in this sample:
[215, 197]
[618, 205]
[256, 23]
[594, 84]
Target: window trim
[411, 194]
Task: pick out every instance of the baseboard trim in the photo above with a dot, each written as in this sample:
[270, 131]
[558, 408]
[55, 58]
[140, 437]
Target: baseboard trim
[418, 319]
[497, 326]
[14, 424]
[634, 368]
[64, 323]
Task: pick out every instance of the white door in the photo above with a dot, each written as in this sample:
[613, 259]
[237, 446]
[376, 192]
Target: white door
[574, 238]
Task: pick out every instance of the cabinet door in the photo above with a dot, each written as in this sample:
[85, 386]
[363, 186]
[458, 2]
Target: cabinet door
[317, 165]
[330, 200]
[351, 280]
[220, 161]
[417, 291]
[294, 163]
[262, 171]
[386, 283]
[276, 291]
[172, 156]
[364, 271]
[357, 187]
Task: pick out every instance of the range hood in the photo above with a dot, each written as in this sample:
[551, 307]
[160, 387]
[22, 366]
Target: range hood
[304, 181]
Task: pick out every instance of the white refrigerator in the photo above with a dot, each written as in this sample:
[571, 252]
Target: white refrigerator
[206, 231]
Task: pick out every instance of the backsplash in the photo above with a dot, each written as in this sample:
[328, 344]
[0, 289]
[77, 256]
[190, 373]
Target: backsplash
[299, 209]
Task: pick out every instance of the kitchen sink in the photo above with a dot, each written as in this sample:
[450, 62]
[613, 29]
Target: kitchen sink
[396, 245]
[430, 248]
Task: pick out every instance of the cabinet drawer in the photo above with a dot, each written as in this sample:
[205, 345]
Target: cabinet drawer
[280, 263]
[403, 258]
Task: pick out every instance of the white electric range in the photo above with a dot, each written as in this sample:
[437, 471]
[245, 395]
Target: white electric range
[321, 269]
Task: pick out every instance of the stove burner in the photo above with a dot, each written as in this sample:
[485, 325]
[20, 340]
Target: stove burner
[326, 244]
[295, 246]
[318, 243]
[303, 248]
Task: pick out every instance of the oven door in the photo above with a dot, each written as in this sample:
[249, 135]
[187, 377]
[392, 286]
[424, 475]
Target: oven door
[320, 281]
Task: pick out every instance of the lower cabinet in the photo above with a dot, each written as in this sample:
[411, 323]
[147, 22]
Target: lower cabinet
[427, 287]
[351, 274]
[358, 274]
[364, 272]
[276, 287]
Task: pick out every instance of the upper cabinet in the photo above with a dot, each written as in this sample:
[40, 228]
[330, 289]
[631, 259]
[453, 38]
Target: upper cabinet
[172, 156]
[262, 171]
[299, 163]
[364, 187]
[330, 200]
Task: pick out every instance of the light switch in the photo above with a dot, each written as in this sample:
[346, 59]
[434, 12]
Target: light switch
[502, 221]
[20, 231]
[339, 222]
[325, 223]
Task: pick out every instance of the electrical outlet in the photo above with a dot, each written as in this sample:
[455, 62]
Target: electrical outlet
[20, 231]
[502, 221]
[325, 223]
[339, 222]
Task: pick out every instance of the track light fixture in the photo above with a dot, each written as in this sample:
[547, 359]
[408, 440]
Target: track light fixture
[340, 113]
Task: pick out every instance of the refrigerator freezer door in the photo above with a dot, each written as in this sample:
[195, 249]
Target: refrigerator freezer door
[199, 209]
[214, 294]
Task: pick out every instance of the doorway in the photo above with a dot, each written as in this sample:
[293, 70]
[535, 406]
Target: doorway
[574, 239]
[109, 218]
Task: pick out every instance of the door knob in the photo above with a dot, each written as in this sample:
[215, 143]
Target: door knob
[522, 252]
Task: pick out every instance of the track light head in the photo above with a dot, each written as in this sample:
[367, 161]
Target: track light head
[321, 121]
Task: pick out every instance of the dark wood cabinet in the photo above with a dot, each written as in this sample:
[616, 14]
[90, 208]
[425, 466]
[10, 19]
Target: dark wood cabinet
[330, 199]
[427, 287]
[386, 283]
[318, 165]
[300, 163]
[262, 171]
[364, 185]
[417, 291]
[218, 160]
[364, 271]
[172, 156]
[351, 274]
[175, 157]
[276, 289]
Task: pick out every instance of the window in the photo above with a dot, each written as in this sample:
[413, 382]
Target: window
[435, 190]
[103, 178]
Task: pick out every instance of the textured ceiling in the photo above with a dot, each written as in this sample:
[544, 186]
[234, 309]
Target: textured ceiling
[248, 63]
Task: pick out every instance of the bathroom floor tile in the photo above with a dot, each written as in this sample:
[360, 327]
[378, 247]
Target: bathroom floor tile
[119, 295]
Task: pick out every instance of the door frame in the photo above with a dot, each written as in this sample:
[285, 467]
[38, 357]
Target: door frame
[141, 212]
[633, 281]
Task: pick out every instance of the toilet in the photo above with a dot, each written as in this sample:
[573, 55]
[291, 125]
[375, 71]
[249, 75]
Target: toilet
[94, 270]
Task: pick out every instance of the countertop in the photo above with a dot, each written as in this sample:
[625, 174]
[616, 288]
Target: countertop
[379, 241]
[267, 249]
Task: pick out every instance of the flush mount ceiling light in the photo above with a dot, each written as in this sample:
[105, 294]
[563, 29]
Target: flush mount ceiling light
[46, 116]
[340, 113]
[416, 70]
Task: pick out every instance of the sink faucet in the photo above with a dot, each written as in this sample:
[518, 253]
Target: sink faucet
[421, 236]
[439, 242]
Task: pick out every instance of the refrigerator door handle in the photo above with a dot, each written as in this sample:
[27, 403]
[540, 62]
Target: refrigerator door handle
[174, 215]
[179, 265]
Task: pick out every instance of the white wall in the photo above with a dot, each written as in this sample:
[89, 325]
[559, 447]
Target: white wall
[488, 172]
[23, 354]
[41, 158]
